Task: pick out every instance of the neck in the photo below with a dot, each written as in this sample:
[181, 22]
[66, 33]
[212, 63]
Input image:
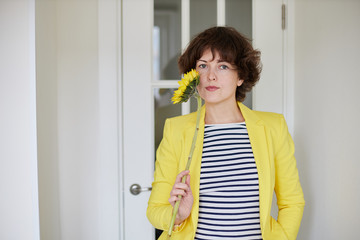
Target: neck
[217, 114]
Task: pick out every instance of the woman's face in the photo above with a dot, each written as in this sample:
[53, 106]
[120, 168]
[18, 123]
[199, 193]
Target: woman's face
[218, 79]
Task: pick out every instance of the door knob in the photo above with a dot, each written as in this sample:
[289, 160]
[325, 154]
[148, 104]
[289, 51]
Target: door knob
[136, 189]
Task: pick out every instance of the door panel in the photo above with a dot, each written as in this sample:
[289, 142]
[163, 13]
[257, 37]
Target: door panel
[137, 108]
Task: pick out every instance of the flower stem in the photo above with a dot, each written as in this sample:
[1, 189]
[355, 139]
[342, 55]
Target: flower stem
[177, 204]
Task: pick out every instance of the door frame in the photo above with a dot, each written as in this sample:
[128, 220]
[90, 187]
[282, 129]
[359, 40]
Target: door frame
[110, 171]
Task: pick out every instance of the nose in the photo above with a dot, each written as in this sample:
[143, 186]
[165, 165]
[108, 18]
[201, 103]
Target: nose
[211, 74]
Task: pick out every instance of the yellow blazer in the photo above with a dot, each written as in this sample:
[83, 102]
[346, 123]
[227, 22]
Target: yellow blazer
[273, 150]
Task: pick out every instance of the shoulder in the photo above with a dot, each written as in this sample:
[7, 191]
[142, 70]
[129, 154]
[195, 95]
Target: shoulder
[177, 125]
[276, 129]
[269, 117]
[272, 121]
[182, 121]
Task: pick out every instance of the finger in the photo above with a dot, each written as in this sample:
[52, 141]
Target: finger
[181, 175]
[182, 186]
[177, 192]
[173, 199]
[187, 182]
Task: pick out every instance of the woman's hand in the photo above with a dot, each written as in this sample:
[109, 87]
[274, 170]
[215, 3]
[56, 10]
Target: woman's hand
[187, 200]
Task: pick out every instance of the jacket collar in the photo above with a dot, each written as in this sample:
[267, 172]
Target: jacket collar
[249, 115]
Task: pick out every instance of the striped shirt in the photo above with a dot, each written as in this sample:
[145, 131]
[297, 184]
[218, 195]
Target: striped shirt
[229, 186]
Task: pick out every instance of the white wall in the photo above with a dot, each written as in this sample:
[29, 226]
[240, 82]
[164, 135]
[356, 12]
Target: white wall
[327, 113]
[77, 119]
[78, 111]
[19, 217]
[47, 119]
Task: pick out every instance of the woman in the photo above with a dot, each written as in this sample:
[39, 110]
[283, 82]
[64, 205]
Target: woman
[241, 156]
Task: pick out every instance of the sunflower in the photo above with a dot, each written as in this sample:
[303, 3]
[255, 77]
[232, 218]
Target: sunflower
[187, 87]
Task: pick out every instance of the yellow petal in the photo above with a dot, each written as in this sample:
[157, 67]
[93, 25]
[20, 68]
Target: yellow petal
[186, 81]
[182, 88]
[194, 74]
[187, 77]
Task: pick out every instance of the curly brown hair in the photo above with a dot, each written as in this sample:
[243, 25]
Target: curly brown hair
[232, 47]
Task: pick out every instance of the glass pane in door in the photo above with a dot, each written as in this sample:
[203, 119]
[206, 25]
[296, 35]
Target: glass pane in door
[167, 38]
[202, 15]
[239, 15]
[163, 108]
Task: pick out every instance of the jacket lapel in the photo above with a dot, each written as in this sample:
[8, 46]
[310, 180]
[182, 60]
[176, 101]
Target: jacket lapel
[257, 135]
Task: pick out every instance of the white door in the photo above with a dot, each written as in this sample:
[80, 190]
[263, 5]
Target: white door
[153, 35]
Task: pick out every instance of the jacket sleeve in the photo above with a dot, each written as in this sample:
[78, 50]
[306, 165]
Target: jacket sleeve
[290, 199]
[166, 169]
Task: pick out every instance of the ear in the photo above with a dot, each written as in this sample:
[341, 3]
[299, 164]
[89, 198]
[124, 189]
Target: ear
[240, 82]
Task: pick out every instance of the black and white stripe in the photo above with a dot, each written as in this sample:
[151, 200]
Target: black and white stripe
[229, 185]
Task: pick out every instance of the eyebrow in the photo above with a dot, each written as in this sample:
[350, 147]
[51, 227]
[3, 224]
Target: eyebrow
[219, 61]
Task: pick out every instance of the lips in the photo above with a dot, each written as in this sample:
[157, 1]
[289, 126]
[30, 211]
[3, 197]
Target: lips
[211, 88]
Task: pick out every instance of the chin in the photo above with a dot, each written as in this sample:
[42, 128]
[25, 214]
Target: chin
[211, 101]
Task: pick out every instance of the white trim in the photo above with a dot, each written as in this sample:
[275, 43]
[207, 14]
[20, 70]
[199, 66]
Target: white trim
[185, 23]
[220, 12]
[109, 167]
[152, 103]
[185, 108]
[152, 107]
[253, 30]
[33, 157]
[284, 65]
[151, 89]
[120, 117]
[289, 64]
[165, 84]
[185, 39]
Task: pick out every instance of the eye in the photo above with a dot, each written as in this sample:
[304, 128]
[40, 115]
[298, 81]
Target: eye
[202, 66]
[224, 67]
